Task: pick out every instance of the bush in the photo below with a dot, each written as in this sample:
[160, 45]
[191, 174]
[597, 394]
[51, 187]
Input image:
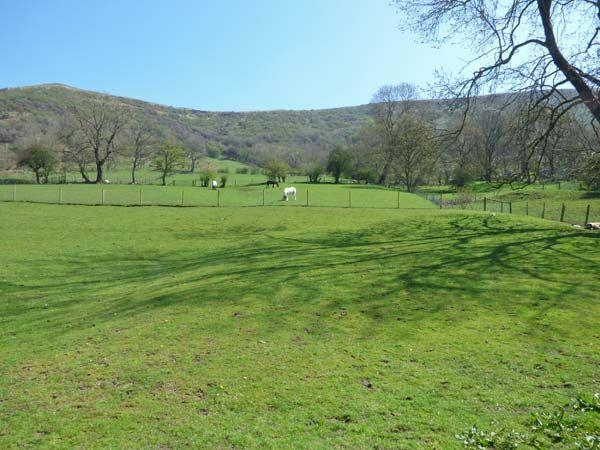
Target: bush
[461, 177]
[368, 175]
[223, 180]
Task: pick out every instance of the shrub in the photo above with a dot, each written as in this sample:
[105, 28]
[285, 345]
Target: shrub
[461, 177]
[223, 180]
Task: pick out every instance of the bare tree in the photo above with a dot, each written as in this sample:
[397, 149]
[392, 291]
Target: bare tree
[389, 105]
[142, 140]
[94, 130]
[537, 47]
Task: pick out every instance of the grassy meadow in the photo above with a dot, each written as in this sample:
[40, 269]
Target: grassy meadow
[291, 327]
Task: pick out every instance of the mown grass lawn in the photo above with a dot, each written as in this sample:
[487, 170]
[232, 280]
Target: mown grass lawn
[288, 327]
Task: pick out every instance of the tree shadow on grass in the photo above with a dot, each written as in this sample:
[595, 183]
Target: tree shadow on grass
[410, 268]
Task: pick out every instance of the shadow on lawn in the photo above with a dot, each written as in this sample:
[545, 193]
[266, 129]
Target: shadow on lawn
[414, 268]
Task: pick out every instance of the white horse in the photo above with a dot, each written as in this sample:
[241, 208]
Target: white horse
[289, 191]
[214, 184]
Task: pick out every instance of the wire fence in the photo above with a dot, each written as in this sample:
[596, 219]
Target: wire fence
[114, 195]
[575, 212]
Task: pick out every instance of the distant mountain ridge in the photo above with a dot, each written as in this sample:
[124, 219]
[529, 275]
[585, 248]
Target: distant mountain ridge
[300, 136]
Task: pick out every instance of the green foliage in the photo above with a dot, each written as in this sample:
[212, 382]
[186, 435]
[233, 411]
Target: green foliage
[276, 169]
[169, 157]
[590, 172]
[207, 173]
[242, 170]
[461, 177]
[339, 162]
[224, 180]
[213, 150]
[39, 159]
[367, 174]
[314, 173]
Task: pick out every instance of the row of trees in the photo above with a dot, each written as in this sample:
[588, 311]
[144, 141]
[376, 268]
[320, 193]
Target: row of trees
[98, 133]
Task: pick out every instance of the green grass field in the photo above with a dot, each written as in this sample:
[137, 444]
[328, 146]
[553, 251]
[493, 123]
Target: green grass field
[290, 327]
[357, 196]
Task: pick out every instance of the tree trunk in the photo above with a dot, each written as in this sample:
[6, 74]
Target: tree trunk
[133, 167]
[99, 173]
[164, 178]
[83, 173]
[577, 81]
[37, 176]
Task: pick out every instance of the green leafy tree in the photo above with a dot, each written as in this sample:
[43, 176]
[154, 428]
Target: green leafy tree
[40, 160]
[168, 159]
[276, 169]
[207, 173]
[339, 162]
[315, 172]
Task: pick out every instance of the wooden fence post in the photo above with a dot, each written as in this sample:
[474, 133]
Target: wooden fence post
[263, 200]
[484, 203]
[398, 199]
[14, 192]
[103, 196]
[218, 198]
[182, 197]
[441, 200]
[526, 208]
[543, 209]
[60, 195]
[562, 212]
[307, 197]
[510, 206]
[587, 215]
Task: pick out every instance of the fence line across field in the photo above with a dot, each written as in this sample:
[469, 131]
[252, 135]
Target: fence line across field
[572, 214]
[388, 199]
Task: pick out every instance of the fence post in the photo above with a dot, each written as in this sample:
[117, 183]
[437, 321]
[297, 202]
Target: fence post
[587, 215]
[484, 204]
[543, 209]
[182, 197]
[307, 197]
[398, 199]
[218, 198]
[562, 212]
[510, 206]
[263, 198]
[526, 208]
[60, 195]
[103, 196]
[441, 200]
[141, 197]
[14, 192]
[559, 185]
[349, 199]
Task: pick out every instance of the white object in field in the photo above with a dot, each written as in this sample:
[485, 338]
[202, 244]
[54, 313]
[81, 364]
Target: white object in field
[289, 191]
[214, 184]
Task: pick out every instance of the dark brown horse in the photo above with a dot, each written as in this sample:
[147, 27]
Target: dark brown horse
[272, 183]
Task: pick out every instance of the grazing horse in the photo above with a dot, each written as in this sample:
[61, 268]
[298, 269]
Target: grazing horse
[289, 191]
[272, 183]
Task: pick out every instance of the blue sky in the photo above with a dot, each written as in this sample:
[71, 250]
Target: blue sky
[233, 55]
